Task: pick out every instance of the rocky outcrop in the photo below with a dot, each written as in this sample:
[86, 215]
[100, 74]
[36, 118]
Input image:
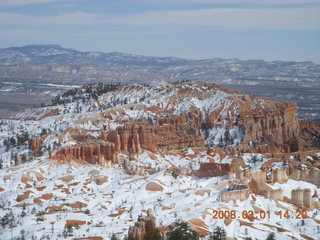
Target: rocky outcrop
[264, 126]
[235, 195]
[131, 138]
[181, 131]
[264, 121]
[246, 176]
[166, 133]
[212, 170]
[35, 145]
[276, 194]
[279, 175]
[301, 198]
[312, 176]
[172, 132]
[310, 134]
[95, 153]
[144, 225]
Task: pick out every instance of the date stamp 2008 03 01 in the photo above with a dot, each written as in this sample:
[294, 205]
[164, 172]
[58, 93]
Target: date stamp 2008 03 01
[226, 214]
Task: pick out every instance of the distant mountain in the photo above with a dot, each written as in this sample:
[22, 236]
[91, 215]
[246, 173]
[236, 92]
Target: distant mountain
[162, 67]
[46, 69]
[55, 54]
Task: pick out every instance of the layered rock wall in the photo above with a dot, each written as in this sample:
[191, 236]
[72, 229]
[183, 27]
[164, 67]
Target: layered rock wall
[301, 198]
[166, 133]
[312, 176]
[274, 194]
[235, 195]
[280, 175]
[94, 153]
[212, 170]
[310, 134]
[275, 125]
[246, 176]
[35, 145]
[265, 125]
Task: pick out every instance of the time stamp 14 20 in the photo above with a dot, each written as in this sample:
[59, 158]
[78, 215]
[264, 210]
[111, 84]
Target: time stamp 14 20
[232, 214]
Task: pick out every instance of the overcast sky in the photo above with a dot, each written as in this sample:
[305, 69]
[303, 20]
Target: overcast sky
[245, 29]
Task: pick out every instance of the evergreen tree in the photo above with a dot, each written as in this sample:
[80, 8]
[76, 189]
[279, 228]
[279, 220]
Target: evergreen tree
[221, 141]
[114, 237]
[227, 137]
[23, 158]
[33, 211]
[154, 235]
[43, 132]
[22, 234]
[271, 236]
[16, 159]
[12, 141]
[23, 213]
[218, 234]
[6, 143]
[8, 219]
[182, 231]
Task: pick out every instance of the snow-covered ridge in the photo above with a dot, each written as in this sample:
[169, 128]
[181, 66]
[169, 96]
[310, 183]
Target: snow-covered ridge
[96, 108]
[45, 193]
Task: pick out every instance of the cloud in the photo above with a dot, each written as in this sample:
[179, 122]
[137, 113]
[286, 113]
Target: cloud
[18, 32]
[264, 2]
[218, 18]
[234, 18]
[76, 18]
[16, 3]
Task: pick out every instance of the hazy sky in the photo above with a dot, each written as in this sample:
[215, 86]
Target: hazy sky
[245, 29]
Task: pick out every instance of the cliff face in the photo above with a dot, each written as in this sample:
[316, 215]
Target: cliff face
[166, 133]
[94, 153]
[235, 195]
[35, 145]
[301, 197]
[266, 125]
[312, 176]
[212, 170]
[310, 134]
[131, 138]
[191, 115]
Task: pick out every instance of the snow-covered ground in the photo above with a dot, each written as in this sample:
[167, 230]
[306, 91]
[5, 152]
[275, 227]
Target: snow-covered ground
[43, 194]
[109, 201]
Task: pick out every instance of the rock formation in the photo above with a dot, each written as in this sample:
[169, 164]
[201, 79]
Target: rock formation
[166, 133]
[276, 194]
[301, 198]
[235, 195]
[265, 126]
[312, 176]
[310, 134]
[267, 122]
[246, 176]
[94, 153]
[35, 145]
[144, 225]
[279, 175]
[212, 170]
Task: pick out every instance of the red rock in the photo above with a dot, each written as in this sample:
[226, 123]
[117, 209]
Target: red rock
[35, 145]
[144, 225]
[212, 170]
[94, 153]
[267, 126]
